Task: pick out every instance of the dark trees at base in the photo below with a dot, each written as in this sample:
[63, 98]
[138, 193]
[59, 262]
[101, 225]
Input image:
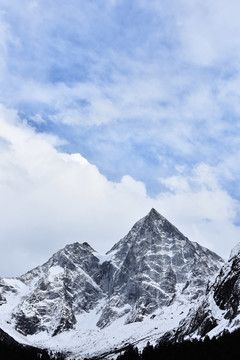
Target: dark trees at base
[10, 349]
[222, 348]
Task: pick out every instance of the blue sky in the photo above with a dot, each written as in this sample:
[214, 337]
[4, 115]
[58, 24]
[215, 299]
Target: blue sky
[146, 91]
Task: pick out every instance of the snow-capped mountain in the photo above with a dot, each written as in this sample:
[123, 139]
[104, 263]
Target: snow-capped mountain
[139, 290]
[154, 266]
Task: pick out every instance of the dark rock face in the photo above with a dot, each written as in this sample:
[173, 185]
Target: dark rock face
[221, 304]
[153, 266]
[198, 321]
[27, 325]
[227, 288]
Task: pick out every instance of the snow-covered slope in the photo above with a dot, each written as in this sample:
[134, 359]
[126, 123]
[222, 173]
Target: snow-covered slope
[85, 303]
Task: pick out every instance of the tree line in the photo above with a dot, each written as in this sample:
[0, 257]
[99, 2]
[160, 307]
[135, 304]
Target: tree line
[20, 352]
[221, 348]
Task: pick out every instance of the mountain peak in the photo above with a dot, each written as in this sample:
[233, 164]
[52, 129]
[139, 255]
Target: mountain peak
[155, 265]
[235, 251]
[153, 228]
[154, 215]
[86, 245]
[76, 247]
[153, 212]
[154, 221]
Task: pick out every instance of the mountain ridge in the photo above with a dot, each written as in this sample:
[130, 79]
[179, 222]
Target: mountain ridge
[152, 276]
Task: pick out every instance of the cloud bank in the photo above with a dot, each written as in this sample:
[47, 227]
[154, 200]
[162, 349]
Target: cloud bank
[50, 198]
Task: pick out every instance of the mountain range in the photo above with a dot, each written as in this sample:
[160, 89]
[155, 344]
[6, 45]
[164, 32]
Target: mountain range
[153, 284]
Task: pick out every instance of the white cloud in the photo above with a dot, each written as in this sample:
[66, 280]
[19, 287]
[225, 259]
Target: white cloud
[205, 211]
[37, 118]
[49, 199]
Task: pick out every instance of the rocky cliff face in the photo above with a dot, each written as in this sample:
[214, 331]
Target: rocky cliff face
[226, 289]
[152, 267]
[219, 309]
